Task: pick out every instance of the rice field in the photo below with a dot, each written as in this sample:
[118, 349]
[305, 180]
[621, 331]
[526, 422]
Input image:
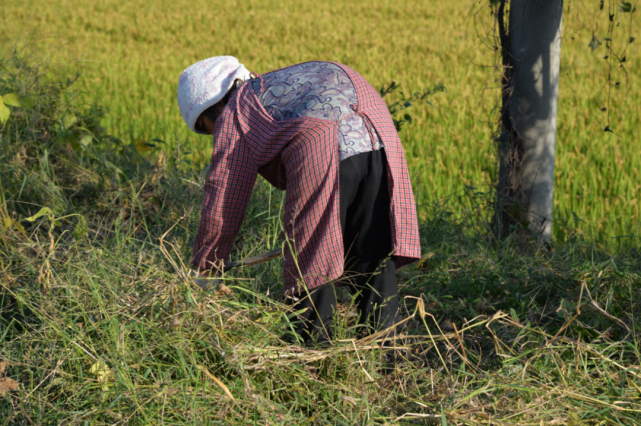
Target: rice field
[133, 52]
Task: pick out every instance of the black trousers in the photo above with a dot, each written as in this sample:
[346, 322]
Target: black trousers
[370, 271]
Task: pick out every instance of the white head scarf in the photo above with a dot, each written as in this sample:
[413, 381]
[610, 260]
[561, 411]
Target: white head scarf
[205, 83]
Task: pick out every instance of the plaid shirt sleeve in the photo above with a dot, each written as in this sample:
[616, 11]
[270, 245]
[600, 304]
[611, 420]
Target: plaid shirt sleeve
[232, 176]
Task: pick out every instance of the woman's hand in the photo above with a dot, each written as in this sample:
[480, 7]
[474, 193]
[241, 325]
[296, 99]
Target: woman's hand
[206, 279]
[206, 283]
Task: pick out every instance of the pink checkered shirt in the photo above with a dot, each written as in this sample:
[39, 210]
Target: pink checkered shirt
[298, 155]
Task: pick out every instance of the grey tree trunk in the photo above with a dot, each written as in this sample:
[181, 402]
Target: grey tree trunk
[531, 57]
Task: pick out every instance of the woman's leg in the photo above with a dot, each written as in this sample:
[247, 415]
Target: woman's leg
[365, 217]
[316, 324]
[369, 267]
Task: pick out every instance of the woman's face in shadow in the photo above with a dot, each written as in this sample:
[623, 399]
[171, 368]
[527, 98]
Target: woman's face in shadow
[208, 122]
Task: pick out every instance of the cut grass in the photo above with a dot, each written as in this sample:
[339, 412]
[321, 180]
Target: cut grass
[133, 53]
[104, 330]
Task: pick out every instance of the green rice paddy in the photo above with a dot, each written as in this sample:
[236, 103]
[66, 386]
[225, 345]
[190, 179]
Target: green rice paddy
[133, 52]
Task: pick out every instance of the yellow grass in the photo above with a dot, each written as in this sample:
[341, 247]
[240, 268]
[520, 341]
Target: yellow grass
[134, 51]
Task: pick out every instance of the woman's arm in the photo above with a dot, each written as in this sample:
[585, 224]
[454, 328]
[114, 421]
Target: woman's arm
[227, 191]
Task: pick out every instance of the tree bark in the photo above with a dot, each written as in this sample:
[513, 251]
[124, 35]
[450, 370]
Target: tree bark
[531, 48]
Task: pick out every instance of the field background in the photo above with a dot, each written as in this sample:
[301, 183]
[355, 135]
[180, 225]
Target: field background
[133, 52]
[100, 325]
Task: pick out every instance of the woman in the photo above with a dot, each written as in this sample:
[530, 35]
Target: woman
[323, 134]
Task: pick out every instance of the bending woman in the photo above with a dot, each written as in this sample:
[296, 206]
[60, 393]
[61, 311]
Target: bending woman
[322, 133]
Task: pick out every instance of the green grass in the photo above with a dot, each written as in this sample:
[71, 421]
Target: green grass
[133, 53]
[103, 329]
[98, 325]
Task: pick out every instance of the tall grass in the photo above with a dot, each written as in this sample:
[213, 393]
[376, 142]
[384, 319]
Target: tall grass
[134, 51]
[99, 326]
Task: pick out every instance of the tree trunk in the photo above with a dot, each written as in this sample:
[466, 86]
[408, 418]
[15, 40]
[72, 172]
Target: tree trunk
[531, 48]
